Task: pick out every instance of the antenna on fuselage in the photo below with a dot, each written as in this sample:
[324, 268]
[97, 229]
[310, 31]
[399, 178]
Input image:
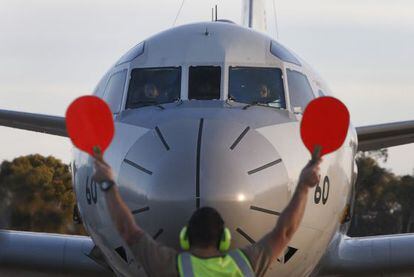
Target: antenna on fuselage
[214, 16]
[276, 23]
[178, 13]
[254, 15]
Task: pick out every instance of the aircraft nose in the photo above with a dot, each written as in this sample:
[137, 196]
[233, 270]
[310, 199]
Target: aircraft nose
[184, 164]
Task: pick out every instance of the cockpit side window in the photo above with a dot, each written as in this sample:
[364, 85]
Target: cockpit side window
[321, 93]
[152, 86]
[204, 82]
[300, 90]
[114, 90]
[99, 89]
[254, 85]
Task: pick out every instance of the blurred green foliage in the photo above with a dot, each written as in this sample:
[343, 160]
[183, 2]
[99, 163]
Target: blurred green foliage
[384, 202]
[36, 195]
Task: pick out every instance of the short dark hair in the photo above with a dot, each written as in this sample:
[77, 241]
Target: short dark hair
[205, 227]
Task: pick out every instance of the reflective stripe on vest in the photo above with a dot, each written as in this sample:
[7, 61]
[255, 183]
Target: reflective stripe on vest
[186, 265]
[241, 264]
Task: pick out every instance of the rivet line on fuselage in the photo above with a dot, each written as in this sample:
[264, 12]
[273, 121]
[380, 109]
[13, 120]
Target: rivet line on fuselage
[164, 142]
[140, 210]
[160, 231]
[264, 167]
[264, 210]
[246, 236]
[138, 166]
[239, 138]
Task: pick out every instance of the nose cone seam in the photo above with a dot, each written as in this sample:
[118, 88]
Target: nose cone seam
[184, 164]
[199, 141]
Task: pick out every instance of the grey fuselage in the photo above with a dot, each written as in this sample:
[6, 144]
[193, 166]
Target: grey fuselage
[245, 162]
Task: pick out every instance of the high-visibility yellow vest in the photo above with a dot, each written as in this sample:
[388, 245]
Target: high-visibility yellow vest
[234, 264]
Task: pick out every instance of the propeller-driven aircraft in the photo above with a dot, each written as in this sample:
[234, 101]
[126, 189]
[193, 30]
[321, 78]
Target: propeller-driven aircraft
[208, 114]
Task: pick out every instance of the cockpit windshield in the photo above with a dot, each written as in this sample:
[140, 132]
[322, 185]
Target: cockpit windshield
[153, 86]
[254, 85]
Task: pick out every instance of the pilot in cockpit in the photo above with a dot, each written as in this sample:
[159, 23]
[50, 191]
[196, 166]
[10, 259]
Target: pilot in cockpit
[151, 92]
[264, 94]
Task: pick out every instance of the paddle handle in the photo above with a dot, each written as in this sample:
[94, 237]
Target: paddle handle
[98, 152]
[316, 154]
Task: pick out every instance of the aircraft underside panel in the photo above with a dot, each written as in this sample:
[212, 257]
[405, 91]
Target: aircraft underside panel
[40, 254]
[390, 255]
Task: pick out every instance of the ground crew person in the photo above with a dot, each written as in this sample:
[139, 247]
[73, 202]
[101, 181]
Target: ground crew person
[205, 238]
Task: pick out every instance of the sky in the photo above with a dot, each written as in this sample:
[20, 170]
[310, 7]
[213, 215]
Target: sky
[54, 51]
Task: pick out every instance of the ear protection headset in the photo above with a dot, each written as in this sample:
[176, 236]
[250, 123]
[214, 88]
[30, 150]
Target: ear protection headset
[224, 244]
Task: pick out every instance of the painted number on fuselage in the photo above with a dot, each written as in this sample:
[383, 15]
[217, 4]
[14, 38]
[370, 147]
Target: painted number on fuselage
[91, 191]
[322, 193]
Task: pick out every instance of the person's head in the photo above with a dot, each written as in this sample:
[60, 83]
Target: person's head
[205, 228]
[151, 91]
[264, 91]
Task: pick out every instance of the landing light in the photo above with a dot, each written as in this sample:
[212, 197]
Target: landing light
[241, 197]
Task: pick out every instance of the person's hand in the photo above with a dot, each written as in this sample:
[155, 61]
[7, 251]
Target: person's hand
[310, 175]
[103, 171]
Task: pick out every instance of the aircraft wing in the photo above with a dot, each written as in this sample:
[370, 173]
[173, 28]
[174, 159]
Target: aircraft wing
[41, 254]
[385, 135]
[390, 255]
[369, 137]
[54, 125]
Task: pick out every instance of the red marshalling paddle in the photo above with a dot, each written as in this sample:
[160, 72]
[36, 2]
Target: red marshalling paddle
[324, 126]
[90, 124]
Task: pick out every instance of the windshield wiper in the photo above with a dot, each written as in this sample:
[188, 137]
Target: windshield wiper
[149, 103]
[256, 103]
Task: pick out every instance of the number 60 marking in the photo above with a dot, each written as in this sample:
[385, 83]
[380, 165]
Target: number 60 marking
[91, 191]
[322, 192]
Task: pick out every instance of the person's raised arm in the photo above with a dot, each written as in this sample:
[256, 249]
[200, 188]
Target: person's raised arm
[292, 215]
[120, 214]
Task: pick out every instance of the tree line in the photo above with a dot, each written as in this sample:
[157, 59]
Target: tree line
[383, 201]
[36, 195]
